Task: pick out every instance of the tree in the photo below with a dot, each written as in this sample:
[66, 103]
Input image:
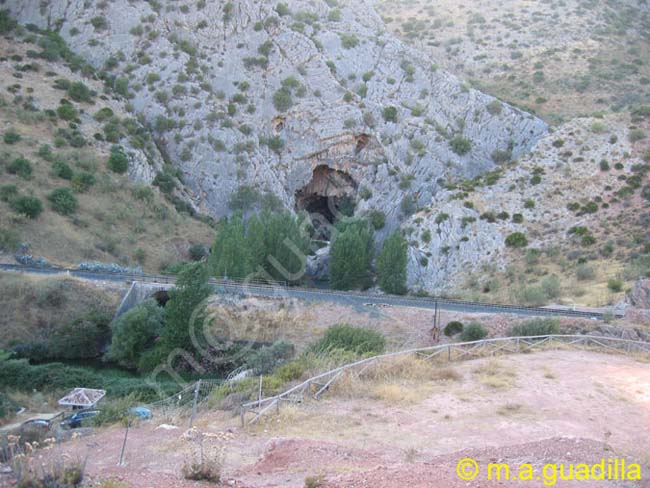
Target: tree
[286, 245]
[134, 332]
[63, 201]
[391, 264]
[185, 308]
[230, 251]
[351, 255]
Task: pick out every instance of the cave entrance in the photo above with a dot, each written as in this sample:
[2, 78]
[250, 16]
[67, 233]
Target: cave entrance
[328, 196]
[161, 297]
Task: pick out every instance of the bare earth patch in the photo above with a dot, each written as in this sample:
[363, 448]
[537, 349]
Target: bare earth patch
[548, 407]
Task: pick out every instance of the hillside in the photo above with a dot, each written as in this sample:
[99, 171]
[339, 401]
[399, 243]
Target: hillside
[561, 59]
[60, 130]
[250, 99]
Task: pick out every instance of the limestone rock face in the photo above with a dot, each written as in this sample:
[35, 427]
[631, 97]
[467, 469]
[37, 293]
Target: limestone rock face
[246, 94]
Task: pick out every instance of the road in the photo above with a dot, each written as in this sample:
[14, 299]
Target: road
[317, 294]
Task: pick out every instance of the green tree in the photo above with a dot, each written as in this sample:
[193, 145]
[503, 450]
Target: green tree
[351, 255]
[134, 332]
[230, 251]
[391, 264]
[286, 245]
[185, 308]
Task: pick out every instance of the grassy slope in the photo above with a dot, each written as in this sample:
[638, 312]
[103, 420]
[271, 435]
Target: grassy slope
[112, 224]
[559, 58]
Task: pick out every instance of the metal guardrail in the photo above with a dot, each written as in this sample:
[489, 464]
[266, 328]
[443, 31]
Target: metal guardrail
[453, 351]
[265, 287]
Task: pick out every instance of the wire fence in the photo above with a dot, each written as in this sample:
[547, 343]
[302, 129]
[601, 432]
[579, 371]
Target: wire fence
[318, 385]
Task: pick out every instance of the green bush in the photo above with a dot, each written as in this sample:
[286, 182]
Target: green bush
[11, 137]
[82, 181]
[453, 328]
[535, 327]
[357, 340]
[62, 170]
[134, 332]
[80, 92]
[118, 161]
[378, 219]
[585, 272]
[390, 114]
[531, 295]
[517, 239]
[26, 205]
[66, 111]
[8, 192]
[282, 100]
[460, 145]
[551, 286]
[615, 285]
[19, 374]
[63, 201]
[290, 371]
[20, 167]
[474, 331]
[266, 359]
[349, 41]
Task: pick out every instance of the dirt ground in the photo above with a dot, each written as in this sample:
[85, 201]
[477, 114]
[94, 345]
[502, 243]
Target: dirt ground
[546, 407]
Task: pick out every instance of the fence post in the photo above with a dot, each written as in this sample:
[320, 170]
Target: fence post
[259, 396]
[449, 353]
[197, 387]
[242, 415]
[126, 434]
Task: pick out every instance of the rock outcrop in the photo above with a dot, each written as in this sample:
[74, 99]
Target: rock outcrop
[639, 296]
[256, 94]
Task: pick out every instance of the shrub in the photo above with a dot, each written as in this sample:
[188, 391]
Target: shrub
[551, 286]
[390, 114]
[408, 205]
[266, 359]
[282, 100]
[82, 181]
[517, 239]
[63, 201]
[134, 332]
[604, 165]
[460, 145]
[531, 295]
[11, 137]
[66, 111]
[118, 161]
[453, 328]
[99, 22]
[535, 327]
[29, 206]
[636, 135]
[585, 272]
[20, 167]
[62, 170]
[378, 219]
[615, 285]
[8, 192]
[197, 252]
[349, 41]
[474, 331]
[80, 92]
[357, 340]
[244, 198]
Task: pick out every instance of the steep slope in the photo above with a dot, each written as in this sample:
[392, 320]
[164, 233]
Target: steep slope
[58, 133]
[581, 200]
[561, 58]
[259, 95]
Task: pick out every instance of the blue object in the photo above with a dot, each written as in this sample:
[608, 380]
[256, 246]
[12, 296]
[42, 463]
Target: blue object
[141, 412]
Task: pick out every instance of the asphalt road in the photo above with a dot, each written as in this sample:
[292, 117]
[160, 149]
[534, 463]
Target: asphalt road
[317, 294]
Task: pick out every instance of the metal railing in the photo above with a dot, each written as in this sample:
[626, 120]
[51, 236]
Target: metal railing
[318, 385]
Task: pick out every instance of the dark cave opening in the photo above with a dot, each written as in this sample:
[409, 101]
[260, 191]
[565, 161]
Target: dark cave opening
[161, 297]
[328, 196]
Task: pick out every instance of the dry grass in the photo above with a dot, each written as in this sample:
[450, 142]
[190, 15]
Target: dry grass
[494, 374]
[35, 305]
[510, 409]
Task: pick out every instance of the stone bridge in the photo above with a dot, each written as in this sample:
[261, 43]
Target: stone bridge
[139, 292]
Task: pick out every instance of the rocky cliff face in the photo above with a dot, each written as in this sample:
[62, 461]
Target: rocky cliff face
[260, 94]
